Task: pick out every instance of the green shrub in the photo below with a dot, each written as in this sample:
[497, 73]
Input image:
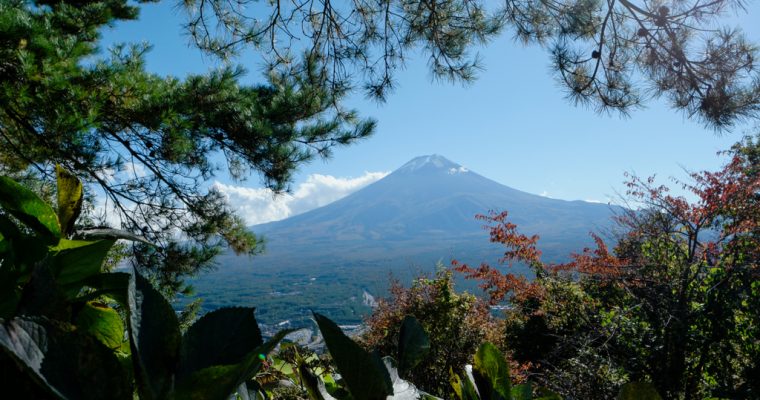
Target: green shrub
[457, 323]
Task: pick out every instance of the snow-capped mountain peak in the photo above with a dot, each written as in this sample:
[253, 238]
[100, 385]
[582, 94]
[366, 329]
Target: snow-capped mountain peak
[432, 162]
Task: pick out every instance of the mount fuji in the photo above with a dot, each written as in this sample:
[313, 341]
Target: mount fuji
[426, 210]
[331, 257]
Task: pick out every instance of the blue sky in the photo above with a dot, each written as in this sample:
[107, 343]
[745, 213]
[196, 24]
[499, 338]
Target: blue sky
[512, 124]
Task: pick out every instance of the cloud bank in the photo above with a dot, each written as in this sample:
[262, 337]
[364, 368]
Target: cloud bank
[258, 206]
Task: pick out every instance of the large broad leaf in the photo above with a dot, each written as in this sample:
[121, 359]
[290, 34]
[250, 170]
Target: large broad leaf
[413, 344]
[9, 288]
[41, 296]
[103, 323]
[76, 260]
[23, 204]
[154, 339]
[67, 363]
[9, 297]
[111, 284]
[364, 373]
[638, 391]
[464, 388]
[8, 230]
[221, 337]
[220, 381]
[491, 373]
[22, 251]
[69, 199]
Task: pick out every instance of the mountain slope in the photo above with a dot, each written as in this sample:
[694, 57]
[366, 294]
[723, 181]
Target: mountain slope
[427, 207]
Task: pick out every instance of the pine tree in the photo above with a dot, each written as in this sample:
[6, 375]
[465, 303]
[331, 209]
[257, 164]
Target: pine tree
[613, 55]
[147, 144]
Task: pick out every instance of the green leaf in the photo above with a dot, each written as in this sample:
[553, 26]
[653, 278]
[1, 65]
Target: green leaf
[8, 230]
[69, 199]
[67, 363]
[209, 383]
[154, 339]
[220, 381]
[413, 344]
[104, 323]
[222, 337]
[638, 391]
[111, 284]
[41, 296]
[25, 205]
[464, 388]
[314, 386]
[76, 260]
[522, 392]
[9, 289]
[364, 373]
[20, 251]
[491, 373]
[9, 298]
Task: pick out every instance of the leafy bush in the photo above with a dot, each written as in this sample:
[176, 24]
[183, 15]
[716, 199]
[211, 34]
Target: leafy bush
[457, 324]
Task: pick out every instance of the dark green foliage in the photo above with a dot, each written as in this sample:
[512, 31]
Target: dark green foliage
[210, 362]
[62, 328]
[491, 373]
[38, 266]
[221, 337]
[69, 364]
[220, 381]
[522, 391]
[154, 337]
[489, 378]
[23, 204]
[413, 344]
[363, 372]
[113, 285]
[638, 391]
[73, 261]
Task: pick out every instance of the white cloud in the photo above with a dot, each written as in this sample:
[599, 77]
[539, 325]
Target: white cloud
[544, 193]
[258, 206]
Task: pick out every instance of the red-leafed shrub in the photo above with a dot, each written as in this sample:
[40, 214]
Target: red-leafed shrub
[675, 301]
